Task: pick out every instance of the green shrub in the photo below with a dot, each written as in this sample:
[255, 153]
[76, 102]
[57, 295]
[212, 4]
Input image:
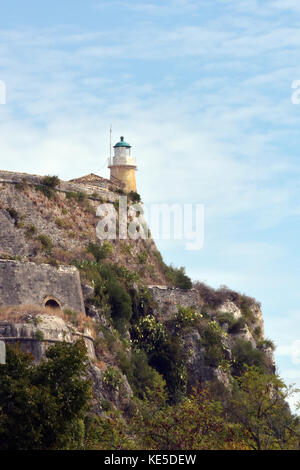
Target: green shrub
[72, 316]
[125, 249]
[120, 304]
[257, 332]
[169, 359]
[109, 290]
[98, 196]
[110, 284]
[31, 230]
[148, 333]
[125, 275]
[45, 190]
[225, 317]
[120, 191]
[100, 252]
[142, 257]
[59, 222]
[112, 377]
[266, 343]
[140, 375]
[234, 325]
[105, 405]
[51, 181]
[151, 269]
[186, 317]
[216, 297]
[79, 196]
[43, 404]
[134, 197]
[244, 354]
[142, 303]
[177, 277]
[237, 326]
[13, 214]
[211, 339]
[39, 335]
[246, 304]
[45, 241]
[165, 353]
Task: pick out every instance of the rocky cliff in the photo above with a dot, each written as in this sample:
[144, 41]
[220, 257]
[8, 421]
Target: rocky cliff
[119, 297]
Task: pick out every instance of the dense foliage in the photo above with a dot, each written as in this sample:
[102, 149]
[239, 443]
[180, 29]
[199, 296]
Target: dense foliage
[46, 407]
[252, 418]
[43, 406]
[177, 277]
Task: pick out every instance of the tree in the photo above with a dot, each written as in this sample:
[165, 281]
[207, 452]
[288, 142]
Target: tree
[42, 406]
[195, 423]
[259, 405]
[244, 354]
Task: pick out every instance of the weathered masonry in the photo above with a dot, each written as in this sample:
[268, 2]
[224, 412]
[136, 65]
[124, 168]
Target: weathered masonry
[24, 283]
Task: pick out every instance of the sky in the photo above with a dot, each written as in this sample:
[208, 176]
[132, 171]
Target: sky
[203, 92]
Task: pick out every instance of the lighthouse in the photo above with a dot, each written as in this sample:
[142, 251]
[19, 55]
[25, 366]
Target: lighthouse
[123, 166]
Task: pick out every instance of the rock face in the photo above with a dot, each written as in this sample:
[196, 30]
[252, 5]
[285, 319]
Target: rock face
[36, 229]
[251, 330]
[33, 225]
[12, 241]
[105, 392]
[23, 283]
[230, 307]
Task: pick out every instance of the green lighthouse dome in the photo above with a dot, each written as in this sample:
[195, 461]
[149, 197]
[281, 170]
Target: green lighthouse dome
[122, 143]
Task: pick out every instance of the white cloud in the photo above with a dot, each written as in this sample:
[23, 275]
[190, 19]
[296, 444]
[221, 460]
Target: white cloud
[205, 101]
[287, 5]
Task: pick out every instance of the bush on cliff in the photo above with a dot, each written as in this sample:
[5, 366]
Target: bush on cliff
[51, 181]
[244, 354]
[165, 353]
[43, 406]
[100, 252]
[177, 277]
[216, 297]
[134, 197]
[109, 291]
[141, 377]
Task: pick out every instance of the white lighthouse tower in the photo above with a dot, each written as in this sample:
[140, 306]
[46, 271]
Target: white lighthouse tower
[123, 166]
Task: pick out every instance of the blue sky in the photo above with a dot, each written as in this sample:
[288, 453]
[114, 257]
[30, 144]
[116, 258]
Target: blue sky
[202, 90]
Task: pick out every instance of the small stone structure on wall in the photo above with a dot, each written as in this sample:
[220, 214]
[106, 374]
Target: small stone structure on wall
[25, 283]
[168, 298]
[35, 337]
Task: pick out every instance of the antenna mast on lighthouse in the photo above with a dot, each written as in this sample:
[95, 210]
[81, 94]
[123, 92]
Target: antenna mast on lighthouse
[110, 132]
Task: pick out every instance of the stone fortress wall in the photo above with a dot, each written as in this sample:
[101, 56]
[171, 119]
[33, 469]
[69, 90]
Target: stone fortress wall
[168, 299]
[89, 184]
[24, 283]
[36, 337]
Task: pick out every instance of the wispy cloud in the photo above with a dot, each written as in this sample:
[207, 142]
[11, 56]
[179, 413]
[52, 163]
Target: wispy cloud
[287, 5]
[202, 90]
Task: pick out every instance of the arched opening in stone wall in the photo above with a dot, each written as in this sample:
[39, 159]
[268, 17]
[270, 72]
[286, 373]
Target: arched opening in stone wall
[52, 303]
